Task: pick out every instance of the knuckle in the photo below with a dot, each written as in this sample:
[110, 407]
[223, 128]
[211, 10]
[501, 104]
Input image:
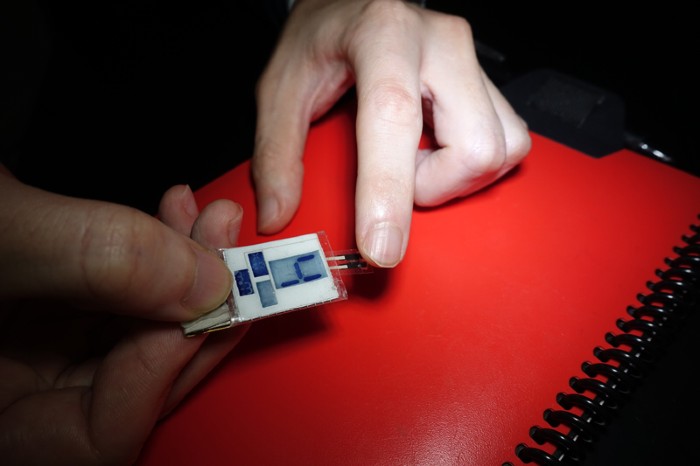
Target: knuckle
[392, 102]
[387, 11]
[455, 26]
[484, 155]
[487, 151]
[519, 144]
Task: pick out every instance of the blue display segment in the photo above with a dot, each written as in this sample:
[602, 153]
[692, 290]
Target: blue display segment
[295, 270]
[257, 264]
[267, 293]
[243, 283]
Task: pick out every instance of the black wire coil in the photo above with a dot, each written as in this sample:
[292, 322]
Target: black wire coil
[611, 380]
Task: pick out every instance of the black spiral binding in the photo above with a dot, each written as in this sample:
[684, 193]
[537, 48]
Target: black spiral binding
[610, 381]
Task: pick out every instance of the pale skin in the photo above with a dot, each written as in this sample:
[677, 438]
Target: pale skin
[92, 293]
[410, 66]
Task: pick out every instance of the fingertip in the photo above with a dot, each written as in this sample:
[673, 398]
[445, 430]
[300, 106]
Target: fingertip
[274, 213]
[212, 282]
[278, 184]
[219, 224]
[182, 196]
[268, 212]
[233, 228]
[217, 227]
[188, 202]
[178, 208]
[384, 245]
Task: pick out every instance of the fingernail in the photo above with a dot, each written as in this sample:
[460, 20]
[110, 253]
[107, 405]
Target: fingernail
[385, 243]
[189, 204]
[269, 210]
[212, 283]
[234, 227]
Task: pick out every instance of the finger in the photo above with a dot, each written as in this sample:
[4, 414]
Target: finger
[478, 134]
[212, 352]
[466, 127]
[302, 81]
[518, 141]
[178, 209]
[277, 170]
[159, 366]
[282, 125]
[134, 385]
[104, 256]
[389, 124]
[109, 421]
[217, 227]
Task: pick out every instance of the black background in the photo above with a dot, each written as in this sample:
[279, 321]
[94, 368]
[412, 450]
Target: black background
[127, 98]
[645, 56]
[139, 95]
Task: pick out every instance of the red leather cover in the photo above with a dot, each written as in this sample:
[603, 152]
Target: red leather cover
[452, 356]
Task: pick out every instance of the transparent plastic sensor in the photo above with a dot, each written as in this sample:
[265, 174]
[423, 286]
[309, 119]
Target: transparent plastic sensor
[280, 276]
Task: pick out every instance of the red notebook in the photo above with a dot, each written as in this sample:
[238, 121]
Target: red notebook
[466, 351]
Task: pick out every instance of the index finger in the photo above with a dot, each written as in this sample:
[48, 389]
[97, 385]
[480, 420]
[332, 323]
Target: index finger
[389, 125]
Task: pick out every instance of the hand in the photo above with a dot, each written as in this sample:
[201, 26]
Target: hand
[410, 66]
[92, 354]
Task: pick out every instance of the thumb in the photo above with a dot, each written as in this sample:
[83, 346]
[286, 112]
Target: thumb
[103, 256]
